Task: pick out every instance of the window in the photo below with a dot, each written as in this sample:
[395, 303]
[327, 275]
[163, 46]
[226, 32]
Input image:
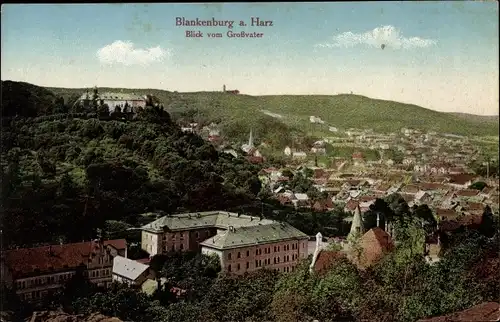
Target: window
[248, 265]
[182, 246]
[173, 248]
[275, 249]
[229, 268]
[238, 267]
[256, 252]
[248, 253]
[278, 248]
[239, 255]
[229, 256]
[173, 236]
[256, 263]
[260, 263]
[181, 237]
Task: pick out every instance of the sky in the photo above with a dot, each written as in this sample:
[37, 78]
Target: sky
[439, 55]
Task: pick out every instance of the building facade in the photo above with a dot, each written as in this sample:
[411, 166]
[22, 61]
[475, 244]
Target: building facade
[243, 243]
[33, 273]
[130, 272]
[114, 100]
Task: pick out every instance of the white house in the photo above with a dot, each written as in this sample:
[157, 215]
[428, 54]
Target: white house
[299, 155]
[129, 271]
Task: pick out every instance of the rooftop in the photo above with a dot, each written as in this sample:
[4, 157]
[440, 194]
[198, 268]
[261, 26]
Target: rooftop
[27, 261]
[216, 219]
[128, 268]
[253, 235]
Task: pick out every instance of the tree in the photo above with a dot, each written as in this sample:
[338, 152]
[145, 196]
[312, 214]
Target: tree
[478, 185]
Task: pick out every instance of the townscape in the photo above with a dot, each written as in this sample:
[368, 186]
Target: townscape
[419, 191]
[312, 166]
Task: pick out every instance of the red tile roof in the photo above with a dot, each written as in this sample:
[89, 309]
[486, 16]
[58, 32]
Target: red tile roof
[24, 261]
[447, 213]
[375, 243]
[489, 311]
[254, 159]
[411, 188]
[426, 186]
[461, 178]
[326, 258]
[467, 193]
[322, 205]
[351, 205]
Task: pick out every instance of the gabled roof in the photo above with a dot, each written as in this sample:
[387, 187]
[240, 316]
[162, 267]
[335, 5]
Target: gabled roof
[28, 261]
[253, 235]
[325, 259]
[216, 219]
[128, 268]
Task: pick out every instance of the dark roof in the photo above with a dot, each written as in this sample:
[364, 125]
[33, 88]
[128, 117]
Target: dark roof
[29, 261]
[488, 311]
[461, 178]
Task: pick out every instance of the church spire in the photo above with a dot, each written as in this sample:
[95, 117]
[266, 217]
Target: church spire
[357, 223]
[250, 139]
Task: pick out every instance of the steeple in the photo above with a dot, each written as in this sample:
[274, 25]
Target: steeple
[250, 139]
[357, 223]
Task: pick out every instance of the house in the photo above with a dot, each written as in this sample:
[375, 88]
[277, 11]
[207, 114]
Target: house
[299, 155]
[243, 243]
[375, 243]
[488, 311]
[315, 119]
[130, 272]
[34, 273]
[287, 151]
[461, 181]
[422, 197]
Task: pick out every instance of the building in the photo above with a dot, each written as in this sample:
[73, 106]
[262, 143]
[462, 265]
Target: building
[130, 272]
[34, 273]
[487, 311]
[114, 100]
[243, 243]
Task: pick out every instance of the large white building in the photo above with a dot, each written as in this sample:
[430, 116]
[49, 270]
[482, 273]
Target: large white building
[243, 243]
[113, 100]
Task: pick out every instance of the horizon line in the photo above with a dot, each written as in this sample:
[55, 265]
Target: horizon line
[252, 95]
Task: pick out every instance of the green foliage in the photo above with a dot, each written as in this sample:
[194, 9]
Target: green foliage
[73, 174]
[237, 114]
[478, 185]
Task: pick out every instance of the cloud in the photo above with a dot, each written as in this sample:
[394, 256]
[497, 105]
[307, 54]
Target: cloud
[124, 52]
[390, 36]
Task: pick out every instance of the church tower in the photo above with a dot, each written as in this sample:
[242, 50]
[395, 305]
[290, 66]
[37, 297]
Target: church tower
[357, 228]
[250, 140]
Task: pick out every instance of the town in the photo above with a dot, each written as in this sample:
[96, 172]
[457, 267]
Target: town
[306, 162]
[429, 172]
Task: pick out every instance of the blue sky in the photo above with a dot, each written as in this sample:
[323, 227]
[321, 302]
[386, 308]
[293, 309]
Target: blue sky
[440, 55]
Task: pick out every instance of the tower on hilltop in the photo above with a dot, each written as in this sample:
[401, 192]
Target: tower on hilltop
[224, 88]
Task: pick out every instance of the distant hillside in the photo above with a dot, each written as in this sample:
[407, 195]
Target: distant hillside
[237, 114]
[26, 99]
[478, 118]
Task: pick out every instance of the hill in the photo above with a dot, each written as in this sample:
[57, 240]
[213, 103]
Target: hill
[478, 118]
[238, 113]
[65, 175]
[24, 99]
